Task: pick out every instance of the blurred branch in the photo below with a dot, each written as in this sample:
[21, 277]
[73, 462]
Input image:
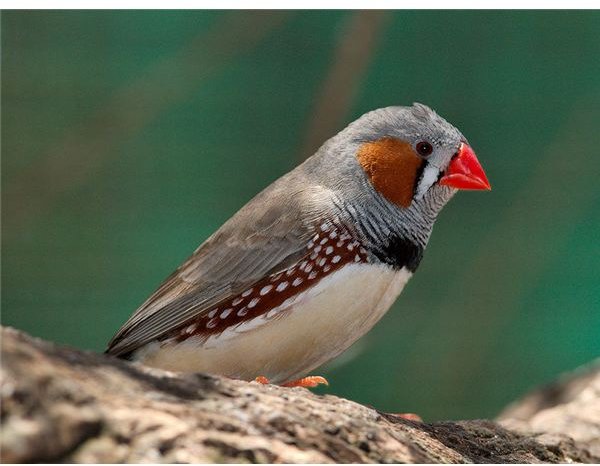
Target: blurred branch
[351, 59]
[86, 148]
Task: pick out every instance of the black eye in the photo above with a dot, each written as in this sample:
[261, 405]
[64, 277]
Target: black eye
[424, 148]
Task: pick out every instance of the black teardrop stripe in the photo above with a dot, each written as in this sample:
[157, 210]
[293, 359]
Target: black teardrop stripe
[399, 252]
[418, 177]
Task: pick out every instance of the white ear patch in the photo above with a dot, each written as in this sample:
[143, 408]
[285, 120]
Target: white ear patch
[430, 176]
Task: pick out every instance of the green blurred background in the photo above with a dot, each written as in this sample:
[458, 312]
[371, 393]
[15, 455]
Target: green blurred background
[129, 137]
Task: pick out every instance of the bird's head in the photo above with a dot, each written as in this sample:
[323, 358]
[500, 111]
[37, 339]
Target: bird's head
[410, 153]
[394, 168]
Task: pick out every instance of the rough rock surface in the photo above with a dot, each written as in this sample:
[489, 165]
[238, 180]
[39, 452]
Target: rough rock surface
[60, 404]
[565, 411]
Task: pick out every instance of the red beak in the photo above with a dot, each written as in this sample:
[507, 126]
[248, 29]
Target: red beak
[465, 172]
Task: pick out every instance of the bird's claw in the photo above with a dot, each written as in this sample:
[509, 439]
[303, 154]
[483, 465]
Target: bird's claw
[410, 417]
[307, 382]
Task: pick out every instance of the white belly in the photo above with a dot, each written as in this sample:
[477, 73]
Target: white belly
[288, 343]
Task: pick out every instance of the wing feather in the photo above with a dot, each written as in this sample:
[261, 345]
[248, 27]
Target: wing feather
[267, 235]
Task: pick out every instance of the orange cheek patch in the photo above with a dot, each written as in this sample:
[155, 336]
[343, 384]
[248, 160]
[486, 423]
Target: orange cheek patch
[392, 166]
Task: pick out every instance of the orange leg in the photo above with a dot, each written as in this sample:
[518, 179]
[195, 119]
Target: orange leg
[306, 382]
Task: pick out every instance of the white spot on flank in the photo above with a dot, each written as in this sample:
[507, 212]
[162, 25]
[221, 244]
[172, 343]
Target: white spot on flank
[325, 227]
[297, 282]
[322, 262]
[345, 236]
[323, 241]
[277, 309]
[287, 302]
[242, 312]
[266, 289]
[272, 312]
[363, 251]
[253, 302]
[312, 275]
[302, 265]
[327, 268]
[329, 250]
[236, 301]
[318, 249]
[247, 292]
[314, 255]
[350, 247]
[356, 258]
[340, 243]
[213, 313]
[191, 328]
[225, 313]
[336, 259]
[308, 268]
[310, 244]
[333, 235]
[282, 286]
[290, 271]
[211, 323]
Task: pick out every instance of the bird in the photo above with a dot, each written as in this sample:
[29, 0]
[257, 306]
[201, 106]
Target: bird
[313, 261]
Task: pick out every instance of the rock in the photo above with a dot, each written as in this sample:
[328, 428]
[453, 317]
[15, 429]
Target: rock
[65, 405]
[563, 412]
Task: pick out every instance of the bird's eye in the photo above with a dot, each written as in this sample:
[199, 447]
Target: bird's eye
[424, 148]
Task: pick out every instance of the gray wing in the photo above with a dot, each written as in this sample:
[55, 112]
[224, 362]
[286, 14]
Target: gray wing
[268, 234]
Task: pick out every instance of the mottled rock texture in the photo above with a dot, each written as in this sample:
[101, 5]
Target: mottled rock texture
[65, 405]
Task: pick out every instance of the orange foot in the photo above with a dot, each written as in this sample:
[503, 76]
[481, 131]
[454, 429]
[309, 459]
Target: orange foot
[410, 417]
[306, 382]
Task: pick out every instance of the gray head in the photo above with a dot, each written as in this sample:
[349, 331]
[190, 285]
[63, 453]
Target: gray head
[395, 168]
